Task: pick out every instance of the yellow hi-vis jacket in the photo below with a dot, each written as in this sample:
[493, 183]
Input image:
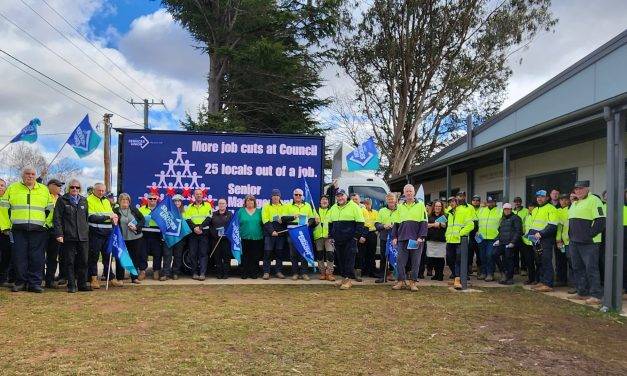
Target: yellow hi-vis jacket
[27, 206]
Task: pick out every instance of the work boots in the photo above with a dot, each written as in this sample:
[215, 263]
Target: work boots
[95, 283]
[457, 284]
[330, 276]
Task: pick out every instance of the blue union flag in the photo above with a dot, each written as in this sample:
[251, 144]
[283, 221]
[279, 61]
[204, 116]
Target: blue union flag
[301, 239]
[118, 247]
[167, 216]
[365, 157]
[232, 233]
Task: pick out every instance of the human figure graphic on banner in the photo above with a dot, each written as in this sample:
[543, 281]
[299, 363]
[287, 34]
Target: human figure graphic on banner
[178, 183]
[161, 176]
[194, 183]
[170, 165]
[178, 161]
[187, 165]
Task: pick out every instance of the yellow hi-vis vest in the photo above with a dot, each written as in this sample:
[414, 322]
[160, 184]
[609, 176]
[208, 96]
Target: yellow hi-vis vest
[272, 212]
[412, 212]
[5, 221]
[322, 230]
[543, 216]
[198, 214]
[460, 223]
[370, 218]
[489, 220]
[28, 206]
[100, 207]
[562, 227]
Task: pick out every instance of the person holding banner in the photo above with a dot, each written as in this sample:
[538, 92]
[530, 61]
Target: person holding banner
[409, 235]
[436, 240]
[299, 213]
[251, 233]
[324, 245]
[388, 216]
[346, 225]
[177, 250]
[198, 217]
[71, 231]
[154, 244]
[28, 202]
[274, 234]
[222, 248]
[131, 224]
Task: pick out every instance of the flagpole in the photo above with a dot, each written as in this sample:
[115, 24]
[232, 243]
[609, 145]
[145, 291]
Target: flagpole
[109, 271]
[5, 146]
[55, 157]
[216, 246]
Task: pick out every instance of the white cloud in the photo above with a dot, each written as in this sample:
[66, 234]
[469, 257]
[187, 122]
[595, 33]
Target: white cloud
[156, 51]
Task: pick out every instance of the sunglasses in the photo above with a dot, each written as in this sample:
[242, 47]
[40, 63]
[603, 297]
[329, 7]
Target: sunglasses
[297, 194]
[152, 199]
[74, 187]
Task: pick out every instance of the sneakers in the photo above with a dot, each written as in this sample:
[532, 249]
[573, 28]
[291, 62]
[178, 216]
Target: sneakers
[266, 276]
[18, 288]
[175, 276]
[195, 276]
[295, 277]
[201, 277]
[306, 277]
[399, 285]
[280, 275]
[457, 284]
[95, 283]
[489, 278]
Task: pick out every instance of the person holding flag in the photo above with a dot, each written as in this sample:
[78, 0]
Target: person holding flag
[274, 234]
[198, 217]
[388, 217]
[296, 214]
[154, 244]
[131, 224]
[101, 217]
[222, 249]
[409, 235]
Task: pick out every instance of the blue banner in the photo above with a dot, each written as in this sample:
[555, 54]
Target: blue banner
[222, 165]
[391, 253]
[118, 247]
[365, 157]
[301, 239]
[232, 233]
[84, 139]
[170, 221]
[28, 133]
[308, 197]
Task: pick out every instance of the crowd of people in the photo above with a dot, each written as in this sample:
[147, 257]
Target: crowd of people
[554, 240]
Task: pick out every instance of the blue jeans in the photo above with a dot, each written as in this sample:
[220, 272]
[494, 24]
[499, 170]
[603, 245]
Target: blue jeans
[28, 256]
[585, 258]
[486, 253]
[405, 254]
[545, 275]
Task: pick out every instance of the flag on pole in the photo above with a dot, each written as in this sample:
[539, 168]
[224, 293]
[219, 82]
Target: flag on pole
[118, 247]
[391, 253]
[308, 197]
[172, 225]
[420, 195]
[28, 133]
[365, 157]
[84, 139]
[301, 239]
[232, 233]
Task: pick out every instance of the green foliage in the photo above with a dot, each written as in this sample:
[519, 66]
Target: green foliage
[265, 58]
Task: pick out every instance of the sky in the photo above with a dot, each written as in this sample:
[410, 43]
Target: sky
[158, 60]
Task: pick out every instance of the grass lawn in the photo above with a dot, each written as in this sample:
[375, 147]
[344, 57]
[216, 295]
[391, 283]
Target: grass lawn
[309, 330]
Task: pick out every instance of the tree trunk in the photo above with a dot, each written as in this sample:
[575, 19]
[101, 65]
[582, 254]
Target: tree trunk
[214, 81]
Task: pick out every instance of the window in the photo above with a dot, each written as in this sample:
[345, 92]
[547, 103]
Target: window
[454, 192]
[496, 195]
[376, 194]
[428, 198]
[560, 180]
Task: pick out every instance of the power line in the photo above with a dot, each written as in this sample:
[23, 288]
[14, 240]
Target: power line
[46, 84]
[62, 58]
[99, 50]
[80, 49]
[69, 88]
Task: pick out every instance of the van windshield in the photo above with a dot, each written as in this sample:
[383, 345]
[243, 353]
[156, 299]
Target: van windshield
[376, 194]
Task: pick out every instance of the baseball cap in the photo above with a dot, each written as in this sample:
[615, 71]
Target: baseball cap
[517, 199]
[452, 198]
[340, 192]
[177, 197]
[476, 197]
[507, 205]
[461, 193]
[56, 182]
[490, 199]
[582, 184]
[276, 192]
[541, 192]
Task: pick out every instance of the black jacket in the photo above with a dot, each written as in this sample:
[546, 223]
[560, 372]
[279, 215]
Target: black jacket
[70, 221]
[510, 229]
[219, 220]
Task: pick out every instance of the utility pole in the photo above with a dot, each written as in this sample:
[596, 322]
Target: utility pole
[147, 105]
[106, 119]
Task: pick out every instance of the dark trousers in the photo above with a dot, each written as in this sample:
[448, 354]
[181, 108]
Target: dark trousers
[366, 255]
[177, 256]
[53, 258]
[404, 254]
[198, 253]
[345, 252]
[473, 250]
[97, 245]
[453, 258]
[438, 267]
[222, 257]
[546, 261]
[251, 254]
[273, 246]
[504, 258]
[75, 255]
[561, 266]
[585, 259]
[5, 258]
[529, 260]
[161, 254]
[28, 256]
[135, 250]
[383, 263]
